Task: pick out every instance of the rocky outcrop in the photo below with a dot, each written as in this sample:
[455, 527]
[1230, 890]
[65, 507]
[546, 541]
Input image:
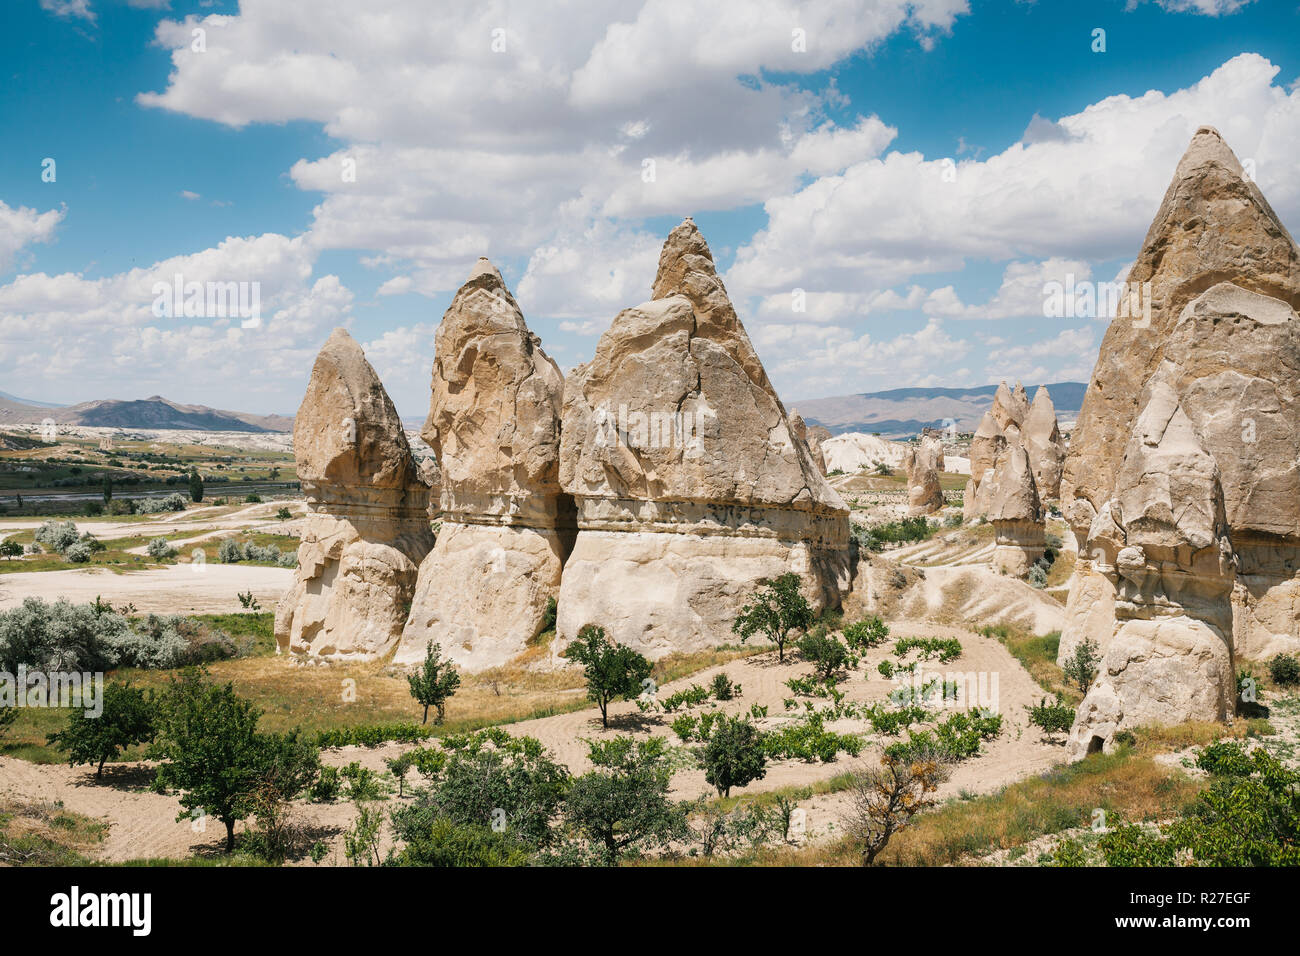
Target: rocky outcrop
[1041, 436]
[689, 481]
[924, 461]
[1189, 530]
[1170, 659]
[367, 527]
[494, 425]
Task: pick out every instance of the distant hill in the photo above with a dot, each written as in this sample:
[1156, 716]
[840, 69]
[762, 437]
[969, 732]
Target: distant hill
[152, 412]
[27, 401]
[901, 412]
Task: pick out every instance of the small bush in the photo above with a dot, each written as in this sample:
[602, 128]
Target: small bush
[865, 634]
[1285, 670]
[1052, 717]
[161, 548]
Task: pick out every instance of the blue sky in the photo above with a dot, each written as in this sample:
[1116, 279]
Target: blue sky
[820, 169]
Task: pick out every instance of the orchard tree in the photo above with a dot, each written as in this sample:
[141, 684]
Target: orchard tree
[734, 755]
[622, 805]
[778, 609]
[128, 718]
[434, 683]
[612, 670]
[210, 750]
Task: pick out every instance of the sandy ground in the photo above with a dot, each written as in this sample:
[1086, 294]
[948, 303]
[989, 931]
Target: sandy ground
[175, 589]
[209, 520]
[143, 824]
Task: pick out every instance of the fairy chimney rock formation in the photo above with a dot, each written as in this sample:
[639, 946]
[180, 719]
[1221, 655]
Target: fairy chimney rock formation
[1016, 512]
[923, 462]
[1181, 483]
[689, 479]
[494, 424]
[367, 527]
[1041, 435]
[987, 445]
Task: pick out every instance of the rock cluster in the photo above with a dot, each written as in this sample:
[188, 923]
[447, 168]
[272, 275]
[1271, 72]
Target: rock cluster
[506, 527]
[1182, 485]
[367, 528]
[1016, 456]
[923, 463]
[689, 478]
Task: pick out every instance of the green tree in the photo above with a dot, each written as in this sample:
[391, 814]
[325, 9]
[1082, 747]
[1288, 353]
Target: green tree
[434, 683]
[826, 654]
[11, 549]
[108, 487]
[612, 670]
[622, 805]
[1081, 666]
[210, 750]
[778, 609]
[734, 755]
[127, 719]
[196, 486]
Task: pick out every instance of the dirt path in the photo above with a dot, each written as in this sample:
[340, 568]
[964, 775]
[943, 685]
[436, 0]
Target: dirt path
[175, 589]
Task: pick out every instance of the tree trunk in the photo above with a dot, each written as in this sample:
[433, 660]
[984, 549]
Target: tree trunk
[426, 714]
[230, 835]
[100, 772]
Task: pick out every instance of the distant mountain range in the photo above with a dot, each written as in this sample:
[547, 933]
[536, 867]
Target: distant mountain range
[152, 412]
[897, 413]
[902, 412]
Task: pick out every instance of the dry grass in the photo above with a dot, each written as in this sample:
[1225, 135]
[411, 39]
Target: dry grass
[1037, 653]
[316, 699]
[1062, 569]
[45, 834]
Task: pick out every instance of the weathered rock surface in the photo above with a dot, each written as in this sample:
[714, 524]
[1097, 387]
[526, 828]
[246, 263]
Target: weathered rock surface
[367, 527]
[689, 480]
[1016, 513]
[494, 424]
[1215, 289]
[924, 461]
[987, 445]
[1193, 523]
[1041, 436]
[811, 437]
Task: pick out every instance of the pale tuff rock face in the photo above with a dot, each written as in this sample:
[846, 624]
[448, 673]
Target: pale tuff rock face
[816, 436]
[1196, 525]
[1016, 513]
[1212, 226]
[923, 464]
[367, 527]
[690, 480]
[812, 437]
[1041, 435]
[1010, 407]
[494, 423]
[1174, 573]
[1217, 350]
[987, 445]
